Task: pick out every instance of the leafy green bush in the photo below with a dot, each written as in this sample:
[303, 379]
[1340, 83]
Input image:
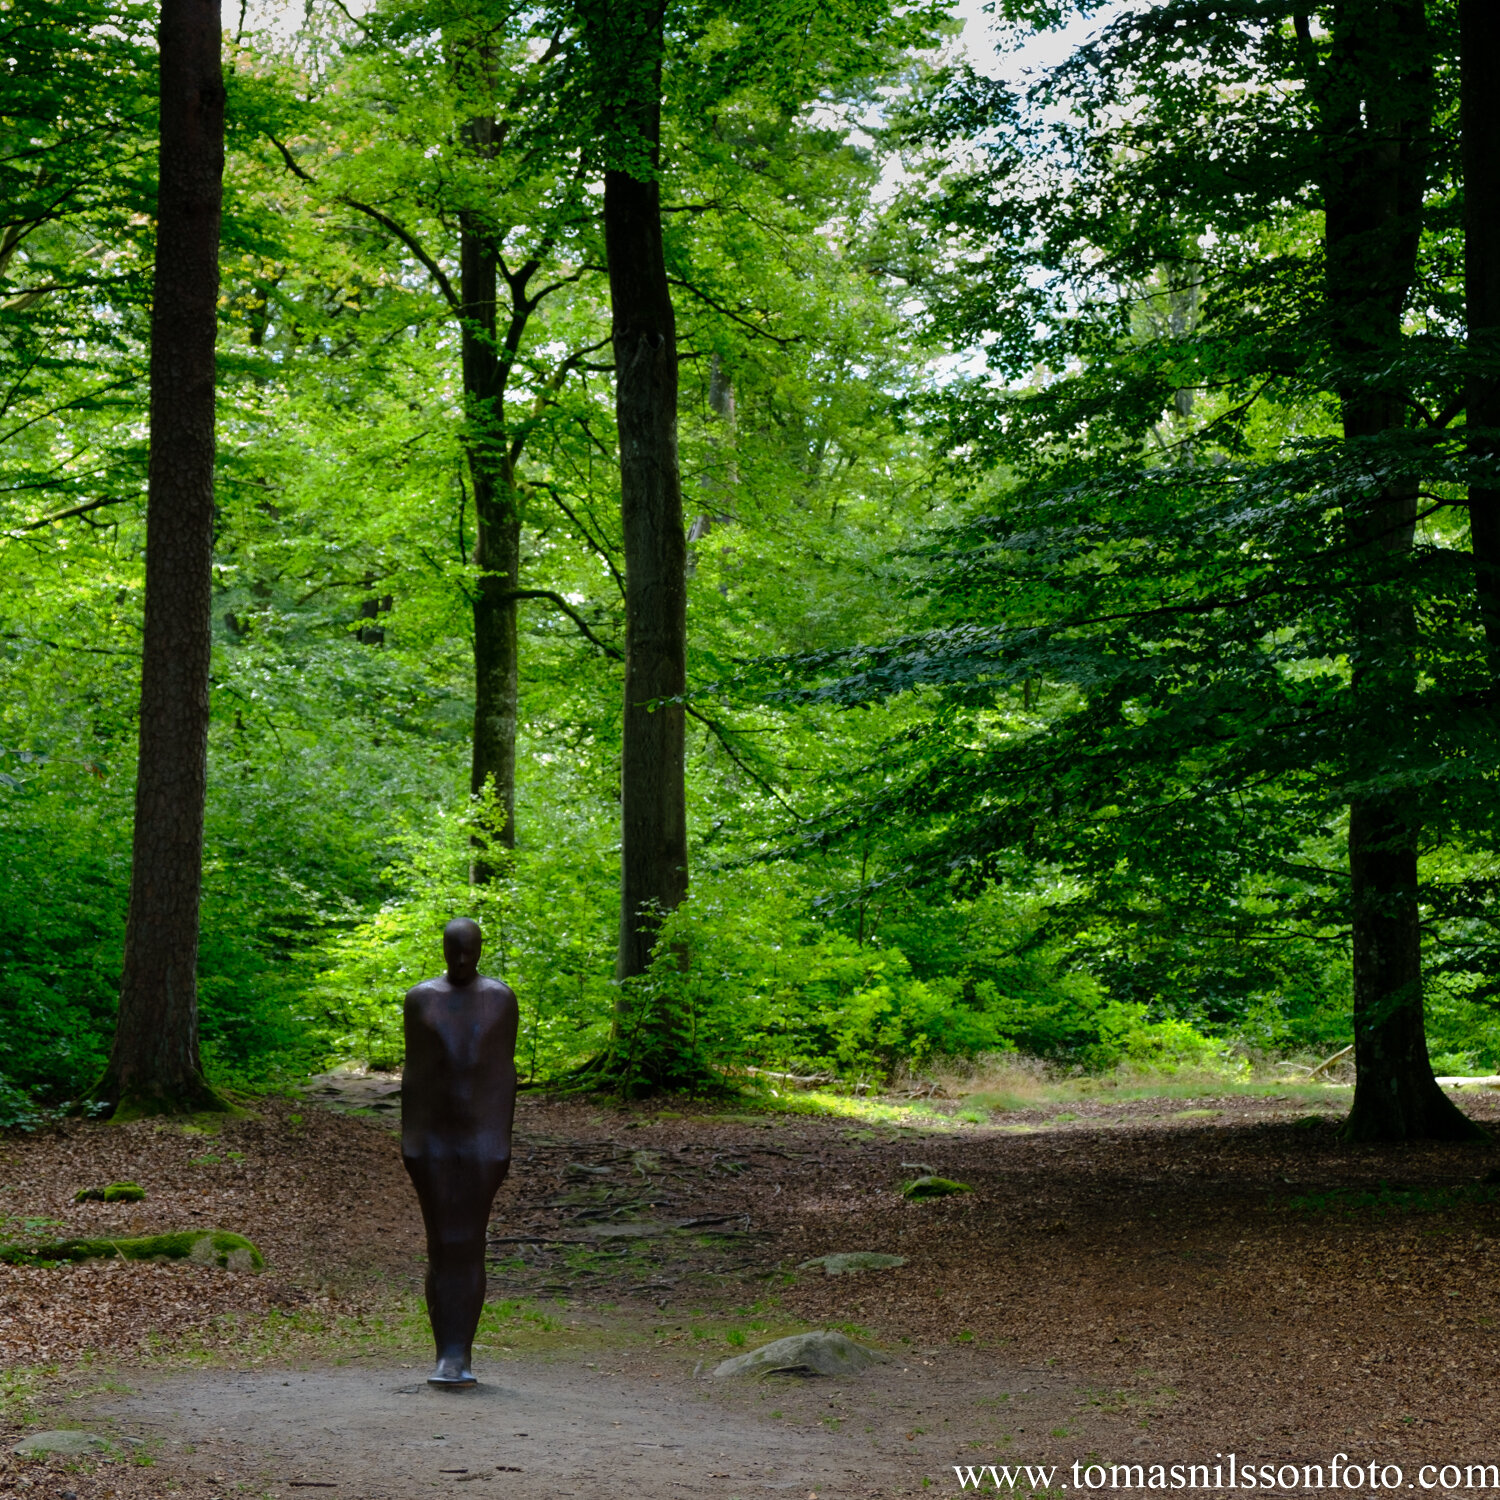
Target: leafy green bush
[66, 859]
[747, 975]
[547, 928]
[284, 859]
[17, 1112]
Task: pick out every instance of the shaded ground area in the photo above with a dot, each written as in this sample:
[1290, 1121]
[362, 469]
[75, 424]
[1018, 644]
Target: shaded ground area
[1143, 1282]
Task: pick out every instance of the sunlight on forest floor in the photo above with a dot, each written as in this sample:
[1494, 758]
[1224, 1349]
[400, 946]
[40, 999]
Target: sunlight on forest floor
[953, 1093]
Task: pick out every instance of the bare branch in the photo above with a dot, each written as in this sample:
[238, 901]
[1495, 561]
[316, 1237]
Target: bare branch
[75, 510]
[588, 536]
[784, 341]
[387, 223]
[434, 270]
[613, 652]
[718, 733]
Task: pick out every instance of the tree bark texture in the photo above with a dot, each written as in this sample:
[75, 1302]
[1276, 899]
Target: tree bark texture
[1376, 114]
[1479, 27]
[497, 545]
[653, 856]
[155, 1065]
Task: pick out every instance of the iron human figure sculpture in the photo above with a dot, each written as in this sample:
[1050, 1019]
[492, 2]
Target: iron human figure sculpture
[458, 1099]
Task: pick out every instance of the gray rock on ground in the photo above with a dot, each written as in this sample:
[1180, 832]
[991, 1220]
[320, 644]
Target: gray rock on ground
[72, 1443]
[843, 1262]
[803, 1354]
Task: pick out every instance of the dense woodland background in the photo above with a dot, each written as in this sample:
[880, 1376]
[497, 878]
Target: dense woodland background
[1077, 505]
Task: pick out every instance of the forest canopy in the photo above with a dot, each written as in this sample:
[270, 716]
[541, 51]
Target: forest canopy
[1087, 580]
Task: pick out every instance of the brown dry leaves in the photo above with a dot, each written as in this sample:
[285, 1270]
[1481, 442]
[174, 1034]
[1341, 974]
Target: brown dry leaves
[324, 1198]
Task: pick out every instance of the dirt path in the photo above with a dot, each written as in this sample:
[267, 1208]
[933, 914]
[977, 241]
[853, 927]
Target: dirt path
[644, 1426]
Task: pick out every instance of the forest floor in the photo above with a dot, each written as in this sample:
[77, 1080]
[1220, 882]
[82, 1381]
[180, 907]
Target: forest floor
[1128, 1282]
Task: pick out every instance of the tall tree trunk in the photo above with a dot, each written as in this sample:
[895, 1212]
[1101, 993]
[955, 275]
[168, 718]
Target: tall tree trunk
[497, 545]
[1479, 26]
[627, 44]
[155, 1066]
[1376, 113]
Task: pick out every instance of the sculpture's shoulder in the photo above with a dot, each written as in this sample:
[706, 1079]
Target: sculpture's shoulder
[420, 994]
[497, 992]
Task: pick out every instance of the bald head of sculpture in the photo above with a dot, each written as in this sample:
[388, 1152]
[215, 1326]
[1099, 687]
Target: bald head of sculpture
[462, 943]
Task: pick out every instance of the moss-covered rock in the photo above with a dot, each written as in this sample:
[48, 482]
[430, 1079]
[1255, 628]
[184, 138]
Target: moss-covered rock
[209, 1247]
[844, 1262]
[933, 1187]
[116, 1192]
[69, 1442]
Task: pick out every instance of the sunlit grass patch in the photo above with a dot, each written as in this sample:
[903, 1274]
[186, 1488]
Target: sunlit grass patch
[1008, 1084]
[718, 1337]
[958, 1094]
[865, 1109]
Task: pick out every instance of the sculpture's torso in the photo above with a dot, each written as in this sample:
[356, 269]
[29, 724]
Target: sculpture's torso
[458, 1091]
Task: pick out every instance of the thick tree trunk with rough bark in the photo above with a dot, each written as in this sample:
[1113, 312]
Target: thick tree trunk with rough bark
[497, 546]
[653, 858]
[155, 1065]
[1479, 24]
[1376, 114]
[626, 45]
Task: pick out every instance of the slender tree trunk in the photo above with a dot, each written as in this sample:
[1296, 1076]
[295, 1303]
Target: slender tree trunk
[628, 43]
[723, 475]
[154, 1066]
[1376, 113]
[497, 545]
[1479, 24]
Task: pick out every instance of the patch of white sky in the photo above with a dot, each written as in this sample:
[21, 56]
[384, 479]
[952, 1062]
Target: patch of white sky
[1011, 55]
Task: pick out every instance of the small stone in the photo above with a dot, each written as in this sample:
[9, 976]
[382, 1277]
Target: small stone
[803, 1354]
[72, 1443]
[933, 1187]
[845, 1262]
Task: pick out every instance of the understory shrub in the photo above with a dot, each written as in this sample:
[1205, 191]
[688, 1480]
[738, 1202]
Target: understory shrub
[746, 974]
[547, 932]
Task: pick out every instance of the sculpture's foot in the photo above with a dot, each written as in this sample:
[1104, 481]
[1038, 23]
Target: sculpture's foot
[452, 1374]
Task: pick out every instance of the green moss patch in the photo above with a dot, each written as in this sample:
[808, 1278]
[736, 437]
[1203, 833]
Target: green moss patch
[116, 1192]
[933, 1187]
[210, 1247]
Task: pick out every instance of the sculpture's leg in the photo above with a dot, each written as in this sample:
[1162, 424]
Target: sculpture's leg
[455, 1198]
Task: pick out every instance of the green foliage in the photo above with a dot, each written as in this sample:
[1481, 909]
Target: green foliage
[1047, 419]
[547, 934]
[750, 974]
[1135, 694]
[17, 1112]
